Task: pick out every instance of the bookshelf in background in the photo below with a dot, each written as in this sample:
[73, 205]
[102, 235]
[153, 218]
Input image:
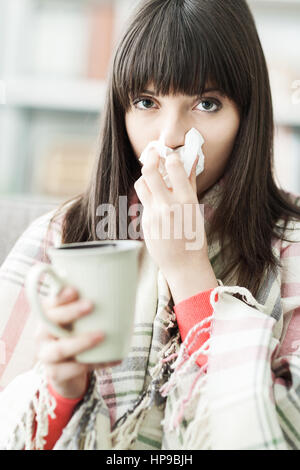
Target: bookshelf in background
[54, 60]
[70, 39]
[62, 148]
[55, 65]
[101, 26]
[278, 22]
[287, 158]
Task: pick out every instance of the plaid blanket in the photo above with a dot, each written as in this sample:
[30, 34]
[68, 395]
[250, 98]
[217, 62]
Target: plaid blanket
[245, 397]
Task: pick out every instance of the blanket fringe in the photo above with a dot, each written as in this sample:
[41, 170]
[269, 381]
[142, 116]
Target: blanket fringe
[196, 435]
[125, 434]
[81, 431]
[40, 406]
[184, 361]
[193, 406]
[243, 291]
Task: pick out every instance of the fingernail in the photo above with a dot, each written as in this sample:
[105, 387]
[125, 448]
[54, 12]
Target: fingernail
[68, 292]
[98, 336]
[85, 303]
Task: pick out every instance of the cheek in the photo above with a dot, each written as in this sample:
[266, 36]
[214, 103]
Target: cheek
[220, 141]
[136, 135]
[130, 127]
[218, 152]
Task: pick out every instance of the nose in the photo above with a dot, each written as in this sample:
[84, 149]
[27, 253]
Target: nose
[173, 130]
[174, 134]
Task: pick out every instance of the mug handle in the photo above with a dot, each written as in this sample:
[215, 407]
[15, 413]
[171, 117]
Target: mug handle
[31, 286]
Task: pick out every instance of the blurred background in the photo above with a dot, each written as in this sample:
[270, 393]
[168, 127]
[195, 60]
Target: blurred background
[54, 58]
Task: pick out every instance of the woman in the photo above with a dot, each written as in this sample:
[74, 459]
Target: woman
[197, 64]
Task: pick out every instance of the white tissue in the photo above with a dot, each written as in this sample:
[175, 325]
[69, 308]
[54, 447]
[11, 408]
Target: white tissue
[188, 153]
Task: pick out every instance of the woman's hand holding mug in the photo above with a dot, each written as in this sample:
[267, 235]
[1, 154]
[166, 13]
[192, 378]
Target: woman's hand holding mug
[67, 377]
[78, 335]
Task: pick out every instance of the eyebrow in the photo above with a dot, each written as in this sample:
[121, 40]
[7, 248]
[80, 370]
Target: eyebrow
[207, 90]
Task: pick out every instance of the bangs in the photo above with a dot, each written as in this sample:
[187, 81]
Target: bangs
[169, 48]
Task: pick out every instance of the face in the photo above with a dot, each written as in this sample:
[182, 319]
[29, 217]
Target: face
[213, 115]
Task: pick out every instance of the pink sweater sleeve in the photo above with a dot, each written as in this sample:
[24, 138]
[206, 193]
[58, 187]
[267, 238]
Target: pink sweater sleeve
[192, 311]
[63, 411]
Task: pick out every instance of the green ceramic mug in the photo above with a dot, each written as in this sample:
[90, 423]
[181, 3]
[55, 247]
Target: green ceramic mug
[105, 272]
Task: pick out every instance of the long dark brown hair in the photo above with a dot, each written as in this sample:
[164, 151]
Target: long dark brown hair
[179, 46]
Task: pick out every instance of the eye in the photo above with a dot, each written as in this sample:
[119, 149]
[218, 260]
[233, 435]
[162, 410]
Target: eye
[146, 102]
[208, 103]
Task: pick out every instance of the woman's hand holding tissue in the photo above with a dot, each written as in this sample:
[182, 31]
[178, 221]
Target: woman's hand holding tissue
[173, 225]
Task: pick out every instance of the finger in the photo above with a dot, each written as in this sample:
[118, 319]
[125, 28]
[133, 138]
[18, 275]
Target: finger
[143, 192]
[153, 177]
[193, 177]
[65, 296]
[42, 334]
[102, 365]
[66, 314]
[178, 177]
[66, 348]
[65, 371]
